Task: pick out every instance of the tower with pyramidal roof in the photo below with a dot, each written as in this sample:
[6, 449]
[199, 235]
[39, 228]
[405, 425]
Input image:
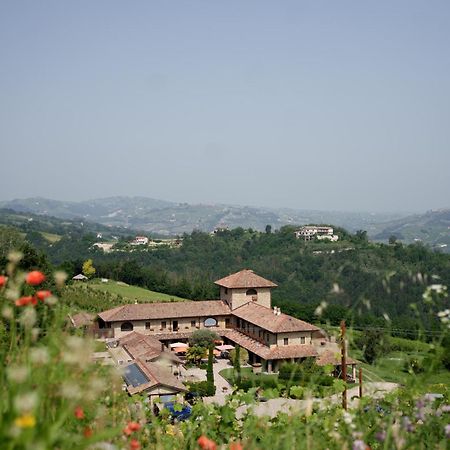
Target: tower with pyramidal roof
[244, 287]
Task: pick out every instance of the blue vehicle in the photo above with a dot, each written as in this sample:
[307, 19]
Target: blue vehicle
[178, 412]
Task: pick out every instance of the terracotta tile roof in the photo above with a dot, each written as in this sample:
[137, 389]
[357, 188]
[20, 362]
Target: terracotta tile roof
[157, 375]
[265, 318]
[146, 348]
[330, 357]
[244, 279]
[169, 310]
[263, 351]
[81, 319]
[292, 351]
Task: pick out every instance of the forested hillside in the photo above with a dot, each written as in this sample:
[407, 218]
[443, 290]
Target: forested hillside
[368, 283]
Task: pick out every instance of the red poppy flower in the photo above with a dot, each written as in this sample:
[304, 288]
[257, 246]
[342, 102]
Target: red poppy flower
[87, 432]
[134, 426]
[23, 301]
[134, 444]
[42, 295]
[205, 443]
[78, 413]
[236, 446]
[3, 280]
[35, 278]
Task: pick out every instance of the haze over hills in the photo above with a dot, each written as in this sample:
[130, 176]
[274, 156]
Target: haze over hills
[169, 218]
[433, 228]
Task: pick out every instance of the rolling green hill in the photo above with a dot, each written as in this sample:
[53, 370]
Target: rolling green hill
[132, 293]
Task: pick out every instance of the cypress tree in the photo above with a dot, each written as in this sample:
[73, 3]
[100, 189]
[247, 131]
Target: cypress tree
[210, 373]
[237, 364]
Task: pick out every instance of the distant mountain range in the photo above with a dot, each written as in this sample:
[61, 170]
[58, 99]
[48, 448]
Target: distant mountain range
[169, 218]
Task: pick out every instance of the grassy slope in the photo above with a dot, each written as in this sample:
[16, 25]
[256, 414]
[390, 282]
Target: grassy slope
[51, 237]
[132, 292]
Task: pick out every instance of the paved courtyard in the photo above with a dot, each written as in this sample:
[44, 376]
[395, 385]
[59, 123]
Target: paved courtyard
[196, 374]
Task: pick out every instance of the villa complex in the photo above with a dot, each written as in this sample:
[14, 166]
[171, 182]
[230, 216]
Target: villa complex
[242, 316]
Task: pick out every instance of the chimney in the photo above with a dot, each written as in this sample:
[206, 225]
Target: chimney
[275, 310]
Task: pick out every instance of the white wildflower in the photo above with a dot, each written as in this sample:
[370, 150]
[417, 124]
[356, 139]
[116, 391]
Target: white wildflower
[15, 257]
[60, 278]
[39, 355]
[35, 332]
[17, 374]
[7, 313]
[50, 301]
[386, 317]
[321, 308]
[12, 293]
[28, 317]
[336, 289]
[26, 402]
[70, 391]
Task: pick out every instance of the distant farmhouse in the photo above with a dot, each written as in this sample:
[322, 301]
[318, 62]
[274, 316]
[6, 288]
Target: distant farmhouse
[242, 316]
[140, 240]
[310, 232]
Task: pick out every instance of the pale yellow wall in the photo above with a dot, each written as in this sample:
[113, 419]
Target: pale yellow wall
[237, 297]
[184, 324]
[295, 338]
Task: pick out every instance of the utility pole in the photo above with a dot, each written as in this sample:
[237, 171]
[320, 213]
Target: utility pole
[344, 364]
[360, 382]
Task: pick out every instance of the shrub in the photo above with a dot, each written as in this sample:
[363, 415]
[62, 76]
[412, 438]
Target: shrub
[202, 388]
[414, 365]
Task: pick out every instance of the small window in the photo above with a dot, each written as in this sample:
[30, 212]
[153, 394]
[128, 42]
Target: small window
[163, 325]
[286, 341]
[210, 322]
[147, 325]
[226, 290]
[251, 292]
[192, 323]
[227, 323]
[126, 326]
[302, 340]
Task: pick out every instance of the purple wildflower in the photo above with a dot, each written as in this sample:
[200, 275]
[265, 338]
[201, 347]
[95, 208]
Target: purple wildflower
[380, 436]
[359, 445]
[407, 424]
[447, 431]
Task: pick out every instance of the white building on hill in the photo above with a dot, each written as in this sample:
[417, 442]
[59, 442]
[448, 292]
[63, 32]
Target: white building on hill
[310, 232]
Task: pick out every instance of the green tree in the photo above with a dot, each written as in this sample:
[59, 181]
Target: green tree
[195, 354]
[210, 372]
[392, 239]
[203, 338]
[88, 268]
[268, 229]
[374, 343]
[237, 364]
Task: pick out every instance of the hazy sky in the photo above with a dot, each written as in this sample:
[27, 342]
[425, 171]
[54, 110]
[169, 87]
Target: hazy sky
[340, 105]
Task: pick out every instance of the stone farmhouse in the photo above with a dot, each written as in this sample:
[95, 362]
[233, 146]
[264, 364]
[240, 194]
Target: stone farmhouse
[242, 316]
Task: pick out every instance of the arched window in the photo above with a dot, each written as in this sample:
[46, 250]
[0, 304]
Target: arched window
[210, 322]
[126, 326]
[251, 292]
